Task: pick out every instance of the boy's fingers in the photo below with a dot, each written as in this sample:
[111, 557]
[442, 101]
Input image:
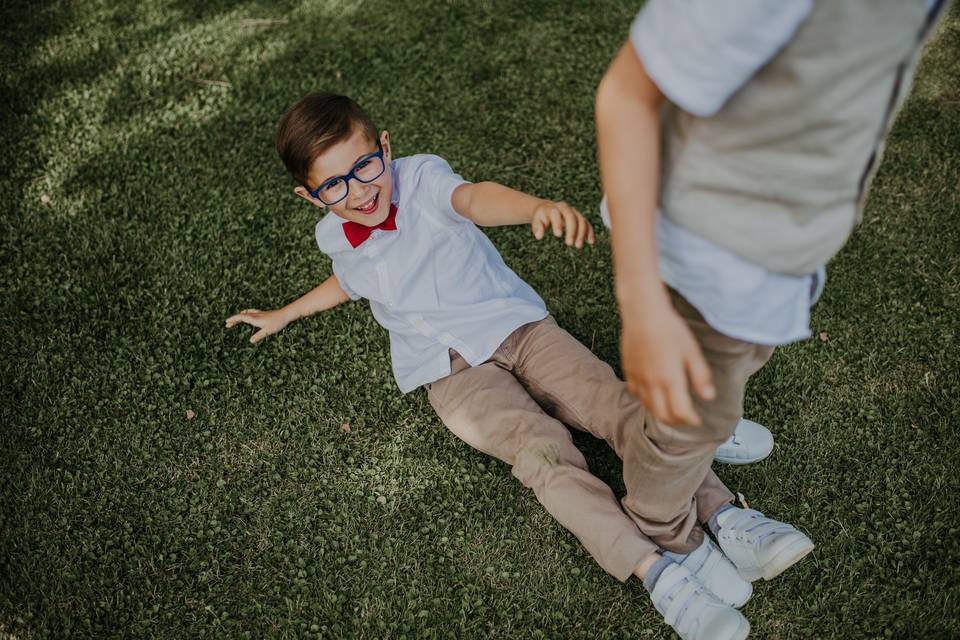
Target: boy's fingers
[637, 392]
[591, 236]
[582, 228]
[234, 319]
[243, 316]
[657, 404]
[258, 336]
[701, 378]
[681, 407]
[570, 222]
[538, 227]
[556, 221]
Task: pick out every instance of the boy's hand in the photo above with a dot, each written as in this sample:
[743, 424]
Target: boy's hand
[267, 321]
[660, 355]
[565, 220]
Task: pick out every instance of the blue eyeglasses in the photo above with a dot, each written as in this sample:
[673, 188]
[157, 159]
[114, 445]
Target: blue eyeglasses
[368, 168]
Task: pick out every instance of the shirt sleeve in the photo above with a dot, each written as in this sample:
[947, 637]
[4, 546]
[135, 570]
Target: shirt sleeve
[330, 240]
[437, 181]
[700, 52]
[341, 280]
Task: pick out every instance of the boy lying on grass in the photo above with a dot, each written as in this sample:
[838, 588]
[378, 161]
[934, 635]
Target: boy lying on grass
[499, 372]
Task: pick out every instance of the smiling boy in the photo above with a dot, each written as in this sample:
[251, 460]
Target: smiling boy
[402, 233]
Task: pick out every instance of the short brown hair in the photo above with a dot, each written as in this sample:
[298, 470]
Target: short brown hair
[313, 125]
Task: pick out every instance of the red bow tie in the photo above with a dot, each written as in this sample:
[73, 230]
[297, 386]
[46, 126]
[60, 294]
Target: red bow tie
[357, 233]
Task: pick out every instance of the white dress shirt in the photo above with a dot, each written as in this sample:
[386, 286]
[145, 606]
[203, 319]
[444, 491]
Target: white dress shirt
[436, 282]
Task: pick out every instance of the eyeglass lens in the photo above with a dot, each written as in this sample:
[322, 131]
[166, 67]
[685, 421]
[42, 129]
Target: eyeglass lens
[366, 170]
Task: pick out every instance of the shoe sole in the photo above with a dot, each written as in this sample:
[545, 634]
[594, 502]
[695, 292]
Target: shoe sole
[738, 605]
[713, 633]
[741, 632]
[786, 558]
[738, 461]
[719, 457]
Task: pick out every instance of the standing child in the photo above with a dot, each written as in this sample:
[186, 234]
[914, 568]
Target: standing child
[737, 143]
[498, 370]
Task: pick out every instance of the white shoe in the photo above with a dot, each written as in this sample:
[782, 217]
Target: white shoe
[692, 610]
[714, 571]
[759, 546]
[750, 442]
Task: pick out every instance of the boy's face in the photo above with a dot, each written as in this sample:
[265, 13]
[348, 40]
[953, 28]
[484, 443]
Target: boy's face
[366, 203]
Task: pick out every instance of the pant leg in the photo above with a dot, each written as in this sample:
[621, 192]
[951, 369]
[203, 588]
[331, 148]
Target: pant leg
[487, 408]
[671, 463]
[578, 388]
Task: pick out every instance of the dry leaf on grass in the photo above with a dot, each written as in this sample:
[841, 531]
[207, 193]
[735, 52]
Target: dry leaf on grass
[345, 427]
[190, 414]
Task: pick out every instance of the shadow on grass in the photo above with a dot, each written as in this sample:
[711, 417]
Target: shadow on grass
[176, 213]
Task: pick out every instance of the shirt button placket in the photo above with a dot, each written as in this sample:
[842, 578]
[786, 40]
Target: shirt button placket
[384, 279]
[381, 267]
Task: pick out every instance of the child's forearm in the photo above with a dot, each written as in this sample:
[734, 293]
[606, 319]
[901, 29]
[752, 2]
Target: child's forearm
[326, 296]
[628, 135]
[489, 204]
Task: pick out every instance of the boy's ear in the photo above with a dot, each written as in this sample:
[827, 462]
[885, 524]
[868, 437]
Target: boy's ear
[385, 144]
[303, 193]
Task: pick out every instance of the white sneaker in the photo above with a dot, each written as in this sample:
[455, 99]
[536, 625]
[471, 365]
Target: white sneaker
[750, 442]
[714, 571]
[694, 612]
[759, 546]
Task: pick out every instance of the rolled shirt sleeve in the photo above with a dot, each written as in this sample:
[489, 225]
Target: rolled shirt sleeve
[342, 281]
[700, 52]
[332, 242]
[438, 181]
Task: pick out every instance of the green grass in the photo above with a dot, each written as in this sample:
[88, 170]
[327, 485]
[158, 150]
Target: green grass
[143, 203]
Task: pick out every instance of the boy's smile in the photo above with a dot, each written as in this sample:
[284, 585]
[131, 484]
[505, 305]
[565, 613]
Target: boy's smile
[365, 203]
[370, 206]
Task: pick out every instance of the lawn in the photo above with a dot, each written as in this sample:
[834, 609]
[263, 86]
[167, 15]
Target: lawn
[162, 477]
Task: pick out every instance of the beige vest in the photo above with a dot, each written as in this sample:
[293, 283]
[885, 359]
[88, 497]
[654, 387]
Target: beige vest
[780, 173]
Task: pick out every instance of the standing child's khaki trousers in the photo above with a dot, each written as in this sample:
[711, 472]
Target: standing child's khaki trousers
[514, 406]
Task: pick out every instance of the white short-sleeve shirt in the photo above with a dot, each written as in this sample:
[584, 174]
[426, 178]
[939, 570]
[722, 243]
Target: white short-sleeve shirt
[436, 282]
[699, 53]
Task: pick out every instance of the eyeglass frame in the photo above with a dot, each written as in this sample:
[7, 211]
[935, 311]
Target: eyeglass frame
[351, 175]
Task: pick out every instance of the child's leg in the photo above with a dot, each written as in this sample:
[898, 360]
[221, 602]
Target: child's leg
[667, 469]
[671, 462]
[571, 383]
[488, 408]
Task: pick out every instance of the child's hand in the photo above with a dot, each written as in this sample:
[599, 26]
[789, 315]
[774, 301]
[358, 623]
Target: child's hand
[268, 322]
[661, 362]
[565, 220]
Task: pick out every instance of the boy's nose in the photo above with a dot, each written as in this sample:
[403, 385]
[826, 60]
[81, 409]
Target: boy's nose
[360, 195]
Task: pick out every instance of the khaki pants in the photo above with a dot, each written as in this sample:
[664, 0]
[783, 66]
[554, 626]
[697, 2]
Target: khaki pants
[668, 464]
[514, 407]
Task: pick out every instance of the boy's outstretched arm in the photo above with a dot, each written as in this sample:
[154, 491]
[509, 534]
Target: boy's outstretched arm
[489, 204]
[658, 351]
[326, 296]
